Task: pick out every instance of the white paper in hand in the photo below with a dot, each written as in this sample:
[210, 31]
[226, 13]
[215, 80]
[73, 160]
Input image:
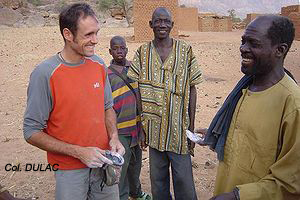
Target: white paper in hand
[194, 137]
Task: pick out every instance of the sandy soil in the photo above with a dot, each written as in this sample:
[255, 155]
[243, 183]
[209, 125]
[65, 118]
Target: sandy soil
[21, 49]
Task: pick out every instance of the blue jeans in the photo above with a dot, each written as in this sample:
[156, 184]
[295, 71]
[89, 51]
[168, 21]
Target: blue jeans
[129, 184]
[182, 175]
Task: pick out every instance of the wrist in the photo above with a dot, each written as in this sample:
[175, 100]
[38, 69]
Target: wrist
[113, 133]
[76, 151]
[114, 136]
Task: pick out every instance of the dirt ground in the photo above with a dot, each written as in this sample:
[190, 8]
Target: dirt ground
[21, 49]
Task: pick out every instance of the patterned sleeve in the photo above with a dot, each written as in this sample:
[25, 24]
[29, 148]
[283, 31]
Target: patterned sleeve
[194, 69]
[135, 68]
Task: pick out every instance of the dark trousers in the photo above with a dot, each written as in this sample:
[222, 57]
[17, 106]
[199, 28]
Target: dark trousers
[182, 175]
[129, 184]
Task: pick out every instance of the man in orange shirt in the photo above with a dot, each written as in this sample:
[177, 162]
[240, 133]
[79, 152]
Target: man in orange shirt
[69, 110]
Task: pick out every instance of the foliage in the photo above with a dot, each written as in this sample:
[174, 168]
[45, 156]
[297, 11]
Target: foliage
[35, 2]
[125, 5]
[104, 5]
[233, 16]
[60, 5]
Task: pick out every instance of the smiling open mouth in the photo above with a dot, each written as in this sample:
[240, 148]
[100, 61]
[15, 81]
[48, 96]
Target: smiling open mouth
[90, 47]
[247, 60]
[162, 31]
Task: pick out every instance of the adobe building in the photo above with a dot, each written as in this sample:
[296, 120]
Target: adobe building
[142, 14]
[223, 24]
[295, 17]
[187, 19]
[213, 23]
[285, 11]
[206, 24]
[293, 12]
[251, 16]
[206, 14]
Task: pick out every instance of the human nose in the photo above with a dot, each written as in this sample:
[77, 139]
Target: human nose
[119, 50]
[94, 39]
[163, 23]
[244, 48]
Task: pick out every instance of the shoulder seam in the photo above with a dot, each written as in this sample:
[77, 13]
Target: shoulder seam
[54, 70]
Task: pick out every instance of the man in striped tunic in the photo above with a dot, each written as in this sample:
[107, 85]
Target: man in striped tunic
[128, 120]
[167, 72]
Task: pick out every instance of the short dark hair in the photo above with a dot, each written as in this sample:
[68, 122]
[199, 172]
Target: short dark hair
[160, 10]
[117, 37]
[69, 17]
[281, 31]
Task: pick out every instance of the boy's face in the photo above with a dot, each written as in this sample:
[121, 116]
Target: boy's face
[118, 50]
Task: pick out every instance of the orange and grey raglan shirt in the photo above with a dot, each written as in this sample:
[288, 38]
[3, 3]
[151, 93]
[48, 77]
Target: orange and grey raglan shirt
[68, 102]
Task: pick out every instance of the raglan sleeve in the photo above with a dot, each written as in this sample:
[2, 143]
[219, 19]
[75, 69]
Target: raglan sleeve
[39, 102]
[108, 99]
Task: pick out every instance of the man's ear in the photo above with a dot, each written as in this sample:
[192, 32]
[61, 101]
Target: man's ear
[68, 35]
[281, 50]
[150, 24]
[110, 52]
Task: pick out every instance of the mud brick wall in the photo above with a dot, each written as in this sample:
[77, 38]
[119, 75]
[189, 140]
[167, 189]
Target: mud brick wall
[222, 24]
[206, 14]
[285, 11]
[187, 19]
[142, 14]
[295, 17]
[229, 25]
[251, 17]
[214, 24]
[293, 12]
[206, 24]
